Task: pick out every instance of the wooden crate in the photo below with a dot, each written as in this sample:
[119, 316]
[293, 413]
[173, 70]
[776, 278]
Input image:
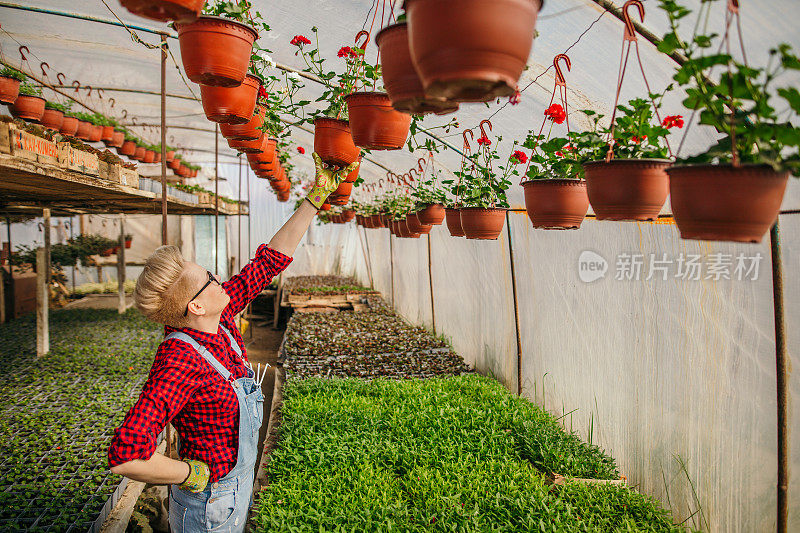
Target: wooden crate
[78, 160]
[203, 197]
[119, 174]
[31, 147]
[5, 137]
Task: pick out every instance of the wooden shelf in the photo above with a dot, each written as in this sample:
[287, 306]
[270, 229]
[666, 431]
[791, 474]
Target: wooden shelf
[27, 186]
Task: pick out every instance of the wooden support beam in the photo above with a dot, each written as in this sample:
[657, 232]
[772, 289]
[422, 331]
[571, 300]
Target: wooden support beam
[123, 305]
[42, 304]
[3, 293]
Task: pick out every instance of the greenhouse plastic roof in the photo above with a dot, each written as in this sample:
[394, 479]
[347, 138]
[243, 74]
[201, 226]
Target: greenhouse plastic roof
[102, 55]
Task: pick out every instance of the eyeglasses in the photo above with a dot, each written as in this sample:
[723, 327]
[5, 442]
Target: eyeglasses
[211, 279]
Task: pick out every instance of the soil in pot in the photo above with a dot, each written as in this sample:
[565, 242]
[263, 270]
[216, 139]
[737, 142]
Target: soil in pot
[453, 219]
[231, 105]
[374, 123]
[69, 126]
[28, 107]
[471, 50]
[431, 214]
[52, 119]
[400, 77]
[556, 203]
[216, 51]
[414, 225]
[333, 142]
[725, 203]
[627, 189]
[9, 89]
[480, 223]
[165, 10]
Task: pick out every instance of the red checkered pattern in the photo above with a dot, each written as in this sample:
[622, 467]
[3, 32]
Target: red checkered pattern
[184, 389]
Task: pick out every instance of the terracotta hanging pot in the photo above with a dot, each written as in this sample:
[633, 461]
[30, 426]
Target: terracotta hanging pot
[52, 119]
[453, 219]
[432, 214]
[170, 156]
[248, 131]
[283, 196]
[377, 221]
[175, 164]
[348, 215]
[157, 158]
[165, 10]
[28, 107]
[250, 147]
[353, 176]
[96, 134]
[84, 130]
[556, 203]
[325, 207]
[410, 233]
[414, 225]
[69, 126]
[231, 105]
[480, 223]
[106, 133]
[400, 77]
[216, 51]
[139, 153]
[333, 143]
[149, 156]
[374, 123]
[128, 148]
[627, 189]
[342, 192]
[117, 138]
[725, 203]
[128, 243]
[471, 50]
[9, 89]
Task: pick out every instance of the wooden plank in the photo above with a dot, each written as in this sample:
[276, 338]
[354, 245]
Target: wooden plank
[121, 267]
[42, 305]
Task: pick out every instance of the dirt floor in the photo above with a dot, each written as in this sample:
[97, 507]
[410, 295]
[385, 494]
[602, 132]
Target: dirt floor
[99, 301]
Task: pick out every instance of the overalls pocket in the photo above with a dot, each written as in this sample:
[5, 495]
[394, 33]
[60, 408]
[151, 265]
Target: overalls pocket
[177, 516]
[220, 509]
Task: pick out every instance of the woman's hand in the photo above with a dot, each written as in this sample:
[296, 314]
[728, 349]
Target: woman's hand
[327, 180]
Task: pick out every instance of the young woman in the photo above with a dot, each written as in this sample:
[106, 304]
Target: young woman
[200, 380]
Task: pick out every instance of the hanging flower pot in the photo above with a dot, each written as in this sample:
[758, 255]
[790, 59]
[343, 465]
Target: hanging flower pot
[453, 218]
[216, 51]
[471, 50]
[52, 119]
[432, 214]
[400, 77]
[128, 242]
[95, 134]
[283, 196]
[149, 156]
[414, 225]
[106, 133]
[556, 203]
[231, 105]
[175, 164]
[374, 123]
[128, 148]
[325, 207]
[342, 194]
[333, 142]
[84, 131]
[250, 147]
[69, 126]
[481, 223]
[170, 156]
[107, 252]
[627, 189]
[165, 10]
[117, 138]
[249, 131]
[377, 221]
[28, 107]
[410, 233]
[157, 158]
[9, 89]
[353, 176]
[139, 153]
[348, 215]
[725, 203]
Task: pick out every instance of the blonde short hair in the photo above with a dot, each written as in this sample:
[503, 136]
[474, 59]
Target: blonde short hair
[163, 288]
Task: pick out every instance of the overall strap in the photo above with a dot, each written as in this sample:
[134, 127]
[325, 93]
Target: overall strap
[234, 344]
[219, 367]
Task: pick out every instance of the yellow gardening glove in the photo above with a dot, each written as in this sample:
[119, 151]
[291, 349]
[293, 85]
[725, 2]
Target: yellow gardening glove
[198, 476]
[328, 179]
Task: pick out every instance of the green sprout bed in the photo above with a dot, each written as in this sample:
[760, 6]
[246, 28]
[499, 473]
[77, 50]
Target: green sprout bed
[58, 414]
[444, 454]
[324, 285]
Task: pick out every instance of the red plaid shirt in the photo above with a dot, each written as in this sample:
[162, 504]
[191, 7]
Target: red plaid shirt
[184, 389]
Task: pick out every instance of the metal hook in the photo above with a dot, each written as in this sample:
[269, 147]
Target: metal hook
[414, 170]
[113, 102]
[560, 80]
[60, 77]
[466, 142]
[76, 84]
[21, 48]
[133, 121]
[420, 161]
[483, 132]
[90, 90]
[41, 66]
[407, 176]
[125, 114]
[100, 93]
[362, 33]
[630, 29]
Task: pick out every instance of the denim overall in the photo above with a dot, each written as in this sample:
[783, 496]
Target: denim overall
[223, 505]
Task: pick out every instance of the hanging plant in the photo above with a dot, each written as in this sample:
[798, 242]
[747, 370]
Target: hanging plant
[217, 47]
[165, 10]
[53, 116]
[10, 80]
[474, 52]
[231, 105]
[430, 196]
[29, 105]
[758, 148]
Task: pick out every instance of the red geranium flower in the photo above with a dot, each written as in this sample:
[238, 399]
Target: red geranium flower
[638, 140]
[484, 140]
[299, 40]
[519, 157]
[673, 121]
[262, 92]
[560, 154]
[301, 150]
[556, 113]
[346, 51]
